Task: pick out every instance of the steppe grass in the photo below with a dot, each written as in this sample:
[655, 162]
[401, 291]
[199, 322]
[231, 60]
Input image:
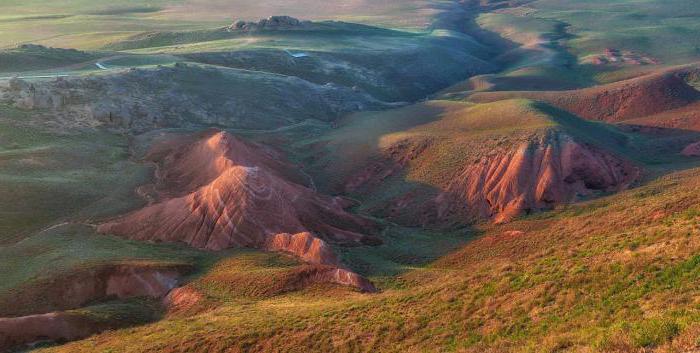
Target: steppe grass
[618, 274]
[665, 30]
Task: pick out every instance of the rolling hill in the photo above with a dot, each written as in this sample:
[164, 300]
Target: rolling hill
[349, 176]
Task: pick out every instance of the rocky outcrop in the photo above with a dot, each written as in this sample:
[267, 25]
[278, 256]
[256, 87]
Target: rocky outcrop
[234, 195]
[270, 23]
[221, 192]
[619, 57]
[535, 176]
[182, 96]
[316, 274]
[182, 299]
[304, 245]
[535, 172]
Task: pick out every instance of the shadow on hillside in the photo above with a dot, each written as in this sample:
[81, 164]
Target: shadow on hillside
[647, 146]
[412, 240]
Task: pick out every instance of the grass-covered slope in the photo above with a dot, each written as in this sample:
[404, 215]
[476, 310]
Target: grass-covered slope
[616, 274]
[409, 165]
[92, 24]
[319, 71]
[390, 65]
[664, 30]
[595, 249]
[48, 178]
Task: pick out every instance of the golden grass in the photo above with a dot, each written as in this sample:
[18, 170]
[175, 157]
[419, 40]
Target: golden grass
[616, 274]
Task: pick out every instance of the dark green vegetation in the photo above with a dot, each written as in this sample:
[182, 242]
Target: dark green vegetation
[613, 273]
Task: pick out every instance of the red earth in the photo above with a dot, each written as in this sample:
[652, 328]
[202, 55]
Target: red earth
[534, 176]
[72, 291]
[217, 191]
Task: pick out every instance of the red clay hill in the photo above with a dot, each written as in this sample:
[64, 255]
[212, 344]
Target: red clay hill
[47, 303]
[537, 175]
[546, 170]
[216, 191]
[643, 96]
[489, 161]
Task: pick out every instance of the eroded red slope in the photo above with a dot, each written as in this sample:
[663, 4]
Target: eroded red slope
[534, 176]
[50, 296]
[545, 170]
[217, 191]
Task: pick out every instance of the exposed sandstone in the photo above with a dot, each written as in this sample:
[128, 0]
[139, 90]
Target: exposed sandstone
[303, 245]
[73, 291]
[270, 23]
[182, 299]
[538, 173]
[234, 195]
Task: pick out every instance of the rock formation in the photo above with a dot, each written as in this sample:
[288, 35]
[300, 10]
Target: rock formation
[270, 23]
[182, 96]
[49, 296]
[220, 192]
[534, 176]
[541, 171]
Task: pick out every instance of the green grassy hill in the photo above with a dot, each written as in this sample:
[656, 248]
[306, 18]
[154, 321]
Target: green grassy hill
[456, 134]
